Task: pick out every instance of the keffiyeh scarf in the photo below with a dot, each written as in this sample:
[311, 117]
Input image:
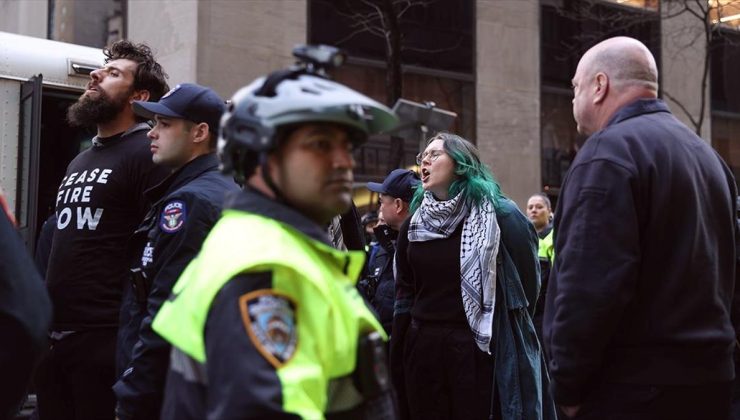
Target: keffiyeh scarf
[478, 250]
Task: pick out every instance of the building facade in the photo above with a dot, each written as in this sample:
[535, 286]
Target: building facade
[504, 66]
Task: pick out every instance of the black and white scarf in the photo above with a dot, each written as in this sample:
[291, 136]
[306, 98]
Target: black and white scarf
[478, 250]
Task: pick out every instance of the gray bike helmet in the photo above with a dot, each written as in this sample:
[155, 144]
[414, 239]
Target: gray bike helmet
[287, 97]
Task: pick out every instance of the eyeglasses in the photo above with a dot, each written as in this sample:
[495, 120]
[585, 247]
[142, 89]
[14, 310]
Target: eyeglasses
[433, 155]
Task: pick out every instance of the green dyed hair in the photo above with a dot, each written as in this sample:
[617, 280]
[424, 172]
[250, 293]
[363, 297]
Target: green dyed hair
[474, 179]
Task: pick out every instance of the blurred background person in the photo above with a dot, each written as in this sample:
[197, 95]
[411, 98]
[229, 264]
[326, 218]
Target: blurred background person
[539, 211]
[25, 314]
[369, 220]
[467, 282]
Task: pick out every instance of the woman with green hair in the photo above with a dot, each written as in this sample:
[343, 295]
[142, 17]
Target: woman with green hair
[463, 344]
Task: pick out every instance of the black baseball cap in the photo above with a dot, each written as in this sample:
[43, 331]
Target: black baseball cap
[188, 101]
[400, 183]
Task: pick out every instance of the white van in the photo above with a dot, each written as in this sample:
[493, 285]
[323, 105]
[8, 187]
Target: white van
[39, 79]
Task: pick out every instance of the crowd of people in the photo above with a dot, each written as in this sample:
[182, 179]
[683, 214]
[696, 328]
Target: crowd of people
[202, 262]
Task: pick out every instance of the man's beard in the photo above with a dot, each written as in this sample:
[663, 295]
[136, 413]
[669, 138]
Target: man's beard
[90, 111]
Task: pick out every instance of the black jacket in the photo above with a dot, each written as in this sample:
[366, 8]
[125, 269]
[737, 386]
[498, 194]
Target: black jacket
[645, 259]
[379, 286]
[25, 314]
[186, 206]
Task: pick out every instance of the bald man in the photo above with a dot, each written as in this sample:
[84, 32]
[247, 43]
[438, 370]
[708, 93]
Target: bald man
[638, 312]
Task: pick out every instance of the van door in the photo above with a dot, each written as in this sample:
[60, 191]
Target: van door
[28, 159]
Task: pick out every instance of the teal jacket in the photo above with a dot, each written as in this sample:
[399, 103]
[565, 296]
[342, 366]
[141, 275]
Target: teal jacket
[521, 375]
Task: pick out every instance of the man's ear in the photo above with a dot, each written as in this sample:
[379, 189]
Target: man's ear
[202, 133]
[140, 95]
[405, 205]
[601, 87]
[274, 161]
[399, 205]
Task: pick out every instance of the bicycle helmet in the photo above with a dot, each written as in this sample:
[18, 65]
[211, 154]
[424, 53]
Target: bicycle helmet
[300, 94]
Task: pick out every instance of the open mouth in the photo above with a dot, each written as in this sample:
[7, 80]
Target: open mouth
[424, 175]
[91, 87]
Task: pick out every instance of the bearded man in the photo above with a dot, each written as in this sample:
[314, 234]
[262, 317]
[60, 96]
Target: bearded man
[98, 206]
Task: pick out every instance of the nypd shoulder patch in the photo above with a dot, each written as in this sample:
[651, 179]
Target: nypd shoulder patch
[270, 321]
[173, 216]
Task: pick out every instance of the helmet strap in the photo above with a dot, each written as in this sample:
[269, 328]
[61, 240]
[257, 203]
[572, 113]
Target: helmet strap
[279, 197]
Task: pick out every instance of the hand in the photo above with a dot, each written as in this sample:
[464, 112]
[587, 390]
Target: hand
[5, 207]
[570, 410]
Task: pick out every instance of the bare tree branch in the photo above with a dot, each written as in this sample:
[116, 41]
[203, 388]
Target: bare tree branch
[612, 20]
[683, 10]
[675, 100]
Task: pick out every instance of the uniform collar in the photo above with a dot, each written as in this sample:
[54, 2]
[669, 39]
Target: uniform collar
[636, 108]
[182, 176]
[253, 201]
[546, 231]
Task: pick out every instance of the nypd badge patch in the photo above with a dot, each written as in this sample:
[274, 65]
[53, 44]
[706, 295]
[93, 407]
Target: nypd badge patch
[270, 321]
[173, 216]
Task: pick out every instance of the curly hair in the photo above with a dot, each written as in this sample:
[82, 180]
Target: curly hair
[149, 74]
[474, 179]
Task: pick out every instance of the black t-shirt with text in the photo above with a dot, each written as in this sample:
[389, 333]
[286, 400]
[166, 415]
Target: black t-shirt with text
[98, 205]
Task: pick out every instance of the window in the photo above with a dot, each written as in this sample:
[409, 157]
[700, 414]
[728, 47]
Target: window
[726, 13]
[92, 23]
[436, 57]
[726, 139]
[437, 34]
[725, 81]
[376, 158]
[569, 28]
[639, 4]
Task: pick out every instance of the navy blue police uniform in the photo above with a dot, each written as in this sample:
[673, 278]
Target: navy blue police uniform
[379, 285]
[186, 206]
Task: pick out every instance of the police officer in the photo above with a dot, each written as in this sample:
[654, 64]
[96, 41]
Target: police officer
[266, 321]
[394, 196]
[185, 207]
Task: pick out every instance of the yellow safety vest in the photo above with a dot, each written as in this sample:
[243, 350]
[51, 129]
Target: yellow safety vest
[547, 248]
[330, 315]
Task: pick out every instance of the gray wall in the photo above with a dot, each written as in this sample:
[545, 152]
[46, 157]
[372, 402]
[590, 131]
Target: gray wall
[224, 44]
[683, 50]
[24, 17]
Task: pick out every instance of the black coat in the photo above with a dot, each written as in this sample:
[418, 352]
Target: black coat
[379, 286]
[186, 206]
[25, 314]
[645, 254]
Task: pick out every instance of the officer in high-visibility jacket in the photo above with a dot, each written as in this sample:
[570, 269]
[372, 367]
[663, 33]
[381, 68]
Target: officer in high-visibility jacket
[266, 322]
